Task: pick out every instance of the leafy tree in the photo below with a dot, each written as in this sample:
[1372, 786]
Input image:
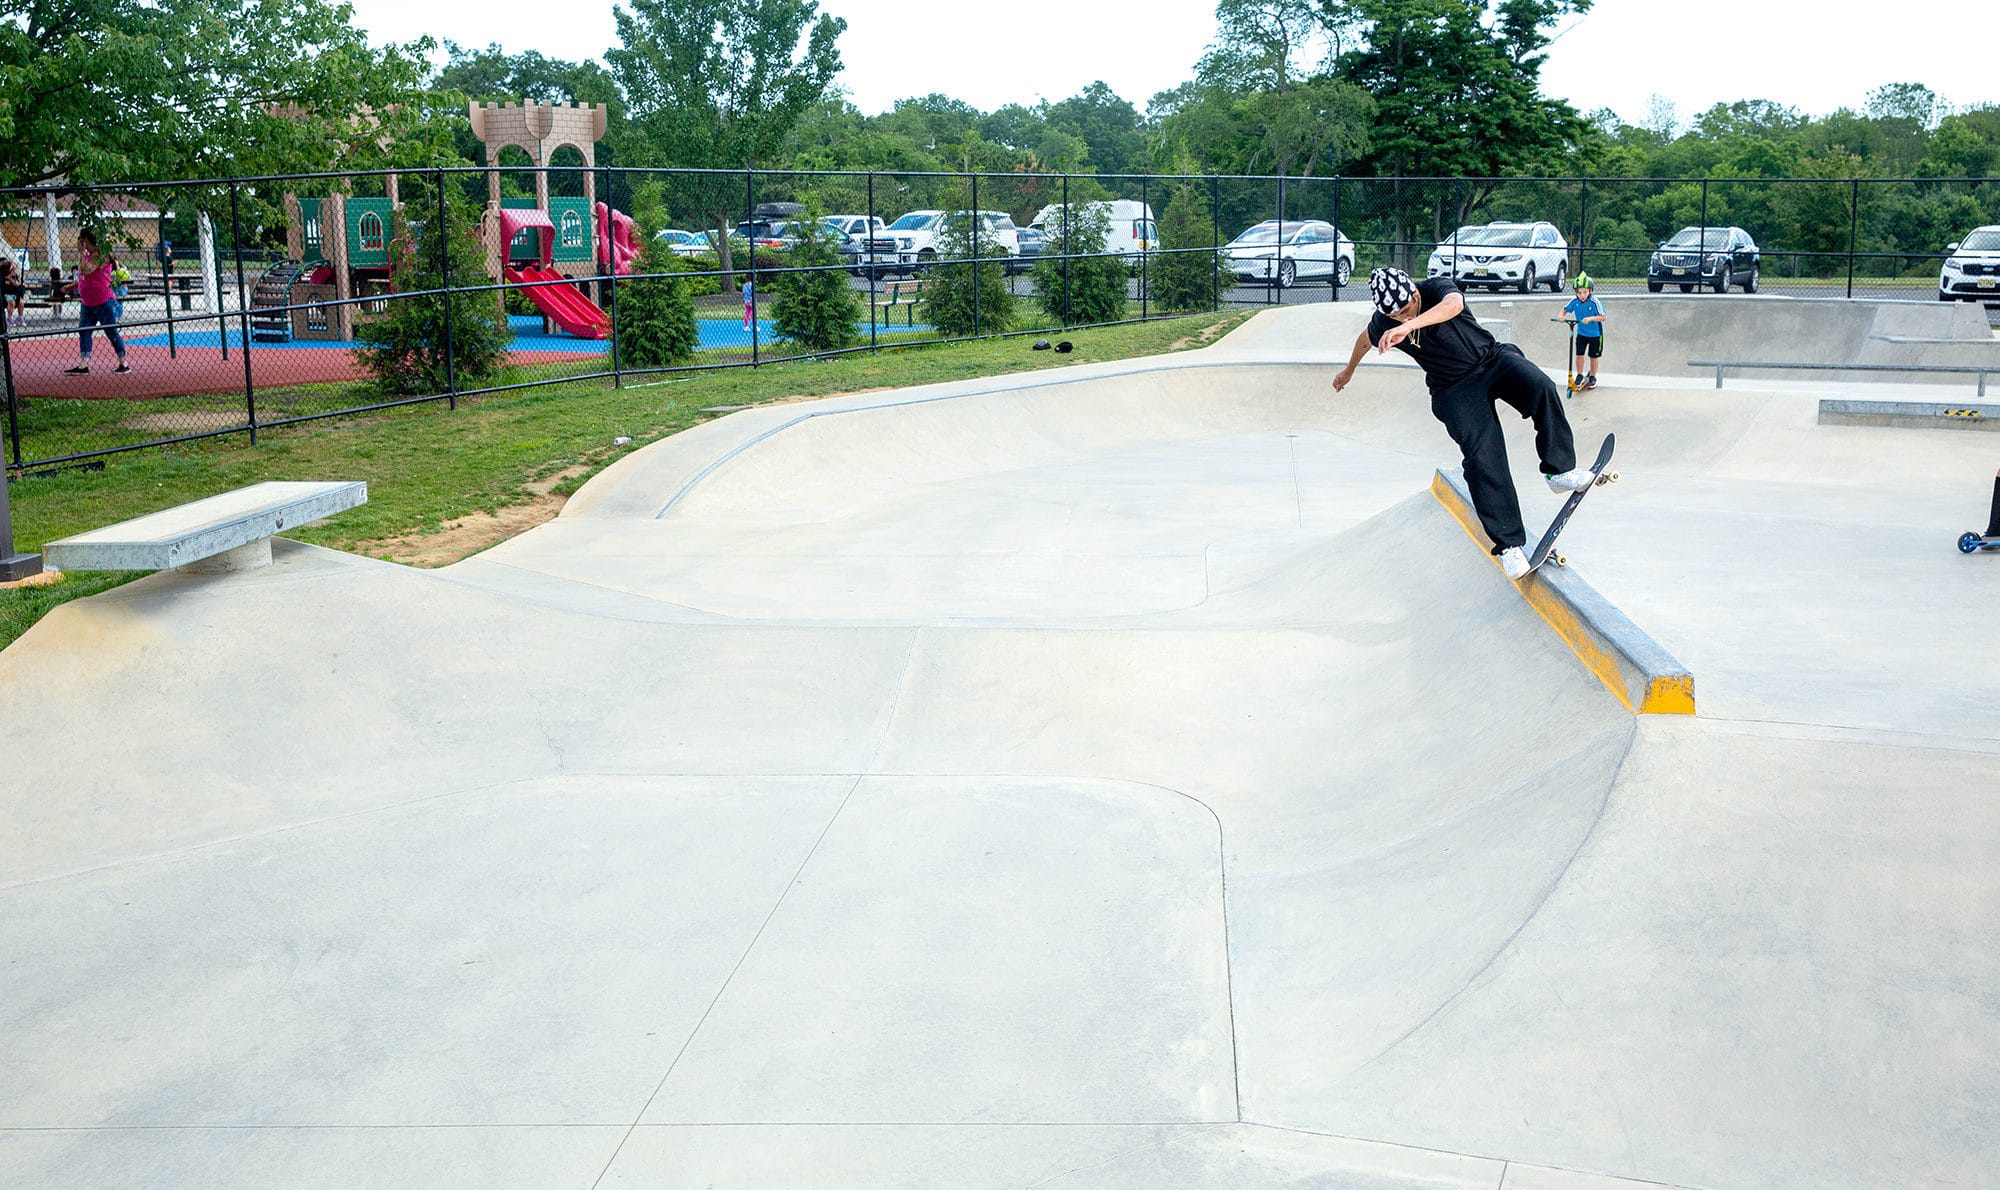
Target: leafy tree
[412, 348]
[1107, 125]
[965, 296]
[1091, 288]
[125, 90]
[654, 313]
[721, 84]
[815, 309]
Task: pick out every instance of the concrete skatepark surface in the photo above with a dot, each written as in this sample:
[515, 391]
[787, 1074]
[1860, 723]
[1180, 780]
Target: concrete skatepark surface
[1122, 776]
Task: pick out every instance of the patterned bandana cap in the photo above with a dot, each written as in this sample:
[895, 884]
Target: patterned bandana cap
[1391, 289]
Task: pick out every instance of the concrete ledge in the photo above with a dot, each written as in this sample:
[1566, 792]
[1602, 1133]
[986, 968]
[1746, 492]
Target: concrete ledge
[1910, 415]
[1632, 665]
[234, 529]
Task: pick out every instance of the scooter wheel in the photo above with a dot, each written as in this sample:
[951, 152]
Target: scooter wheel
[1968, 543]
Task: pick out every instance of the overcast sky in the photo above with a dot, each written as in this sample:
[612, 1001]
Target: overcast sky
[1803, 53]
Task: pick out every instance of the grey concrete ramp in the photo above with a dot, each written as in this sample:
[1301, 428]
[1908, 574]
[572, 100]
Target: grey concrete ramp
[1132, 779]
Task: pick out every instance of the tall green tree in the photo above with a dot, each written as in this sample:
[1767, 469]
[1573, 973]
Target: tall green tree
[1457, 84]
[132, 90]
[721, 83]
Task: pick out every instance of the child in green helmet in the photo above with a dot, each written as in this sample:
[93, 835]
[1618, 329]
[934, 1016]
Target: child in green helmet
[1588, 314]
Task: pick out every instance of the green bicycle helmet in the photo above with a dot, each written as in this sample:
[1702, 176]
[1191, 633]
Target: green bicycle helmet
[1583, 281]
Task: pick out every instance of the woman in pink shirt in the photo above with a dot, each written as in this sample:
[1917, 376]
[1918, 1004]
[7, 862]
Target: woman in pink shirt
[100, 306]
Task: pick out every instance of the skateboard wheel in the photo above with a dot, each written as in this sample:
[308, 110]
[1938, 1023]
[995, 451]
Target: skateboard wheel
[1559, 559]
[1968, 543]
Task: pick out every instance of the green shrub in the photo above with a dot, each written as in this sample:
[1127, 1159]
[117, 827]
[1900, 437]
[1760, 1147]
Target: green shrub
[962, 297]
[403, 348]
[655, 314]
[814, 309]
[1093, 290]
[1191, 278]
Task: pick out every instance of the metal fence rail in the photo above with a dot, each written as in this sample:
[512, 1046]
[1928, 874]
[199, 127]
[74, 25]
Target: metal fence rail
[230, 332]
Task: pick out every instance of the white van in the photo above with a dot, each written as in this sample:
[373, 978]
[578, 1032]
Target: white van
[1132, 228]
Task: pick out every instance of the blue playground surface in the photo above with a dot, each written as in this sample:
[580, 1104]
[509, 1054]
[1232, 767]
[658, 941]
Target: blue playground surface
[527, 328]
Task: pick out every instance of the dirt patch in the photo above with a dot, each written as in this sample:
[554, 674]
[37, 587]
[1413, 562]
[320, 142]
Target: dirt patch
[1204, 336]
[466, 536]
[187, 421]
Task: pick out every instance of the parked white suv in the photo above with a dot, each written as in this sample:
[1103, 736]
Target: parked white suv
[1522, 255]
[916, 235]
[1971, 272]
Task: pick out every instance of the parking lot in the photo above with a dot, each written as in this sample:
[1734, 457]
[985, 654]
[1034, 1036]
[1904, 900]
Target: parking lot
[1310, 292]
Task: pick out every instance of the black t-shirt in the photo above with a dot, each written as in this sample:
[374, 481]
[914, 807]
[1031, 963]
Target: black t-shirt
[1448, 352]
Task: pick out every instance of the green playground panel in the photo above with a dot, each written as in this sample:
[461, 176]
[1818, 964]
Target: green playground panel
[574, 243]
[313, 234]
[370, 224]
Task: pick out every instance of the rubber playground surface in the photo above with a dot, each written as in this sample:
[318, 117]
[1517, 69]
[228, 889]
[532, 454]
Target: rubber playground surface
[194, 361]
[1127, 775]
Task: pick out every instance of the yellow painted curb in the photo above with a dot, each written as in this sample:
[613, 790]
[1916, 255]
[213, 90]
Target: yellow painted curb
[1631, 664]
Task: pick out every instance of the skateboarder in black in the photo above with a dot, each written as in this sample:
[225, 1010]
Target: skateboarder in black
[1467, 370]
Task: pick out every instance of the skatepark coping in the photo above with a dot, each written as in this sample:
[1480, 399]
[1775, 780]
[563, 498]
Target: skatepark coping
[1630, 663]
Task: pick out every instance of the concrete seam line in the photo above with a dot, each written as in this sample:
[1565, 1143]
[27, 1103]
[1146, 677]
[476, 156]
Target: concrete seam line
[1030, 381]
[1631, 664]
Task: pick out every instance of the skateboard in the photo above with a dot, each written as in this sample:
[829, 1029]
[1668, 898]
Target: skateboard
[1545, 548]
[1974, 542]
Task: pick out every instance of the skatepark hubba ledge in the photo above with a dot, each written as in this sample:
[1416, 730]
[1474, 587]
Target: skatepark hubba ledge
[1128, 776]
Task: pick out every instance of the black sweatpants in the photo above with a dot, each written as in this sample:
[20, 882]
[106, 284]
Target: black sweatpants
[1466, 409]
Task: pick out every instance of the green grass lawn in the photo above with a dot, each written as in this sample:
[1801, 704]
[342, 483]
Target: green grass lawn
[428, 466]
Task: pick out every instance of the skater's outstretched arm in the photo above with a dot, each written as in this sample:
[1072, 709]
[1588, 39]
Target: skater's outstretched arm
[1346, 374]
[1451, 307]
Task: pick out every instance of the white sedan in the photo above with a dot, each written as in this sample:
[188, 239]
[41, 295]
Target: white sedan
[684, 243]
[1286, 251]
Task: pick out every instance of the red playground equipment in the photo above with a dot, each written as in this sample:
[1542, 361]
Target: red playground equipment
[552, 246]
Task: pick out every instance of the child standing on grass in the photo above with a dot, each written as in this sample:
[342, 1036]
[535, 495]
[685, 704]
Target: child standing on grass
[1588, 314]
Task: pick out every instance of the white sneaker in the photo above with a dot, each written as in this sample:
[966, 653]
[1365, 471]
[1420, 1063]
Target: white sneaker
[1514, 562]
[1572, 481]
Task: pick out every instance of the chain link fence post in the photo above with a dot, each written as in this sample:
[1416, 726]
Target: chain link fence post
[1853, 226]
[445, 283]
[242, 309]
[868, 258]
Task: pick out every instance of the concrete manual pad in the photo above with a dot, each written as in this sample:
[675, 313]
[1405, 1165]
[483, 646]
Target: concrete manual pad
[1124, 776]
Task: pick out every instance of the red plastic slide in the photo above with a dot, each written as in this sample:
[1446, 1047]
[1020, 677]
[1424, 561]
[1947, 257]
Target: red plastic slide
[564, 304]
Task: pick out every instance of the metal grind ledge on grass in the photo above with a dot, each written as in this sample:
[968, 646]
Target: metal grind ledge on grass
[1644, 676]
[222, 533]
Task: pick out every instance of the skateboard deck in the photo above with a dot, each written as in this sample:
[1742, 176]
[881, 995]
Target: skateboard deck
[1545, 548]
[1974, 542]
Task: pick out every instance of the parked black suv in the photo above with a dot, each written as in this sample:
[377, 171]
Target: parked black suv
[1717, 257]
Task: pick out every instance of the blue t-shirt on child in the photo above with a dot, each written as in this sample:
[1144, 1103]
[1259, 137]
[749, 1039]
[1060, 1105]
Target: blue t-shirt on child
[1582, 308]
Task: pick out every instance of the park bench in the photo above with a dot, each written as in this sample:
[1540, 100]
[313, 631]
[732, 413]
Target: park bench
[900, 293]
[218, 535]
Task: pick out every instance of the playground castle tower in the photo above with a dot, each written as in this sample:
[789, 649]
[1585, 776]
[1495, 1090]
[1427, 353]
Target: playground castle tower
[538, 129]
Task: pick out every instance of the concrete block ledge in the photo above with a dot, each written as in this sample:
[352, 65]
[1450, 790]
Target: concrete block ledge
[1631, 664]
[1910, 415]
[222, 533]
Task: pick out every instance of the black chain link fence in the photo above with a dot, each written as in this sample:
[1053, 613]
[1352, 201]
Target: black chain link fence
[252, 303]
